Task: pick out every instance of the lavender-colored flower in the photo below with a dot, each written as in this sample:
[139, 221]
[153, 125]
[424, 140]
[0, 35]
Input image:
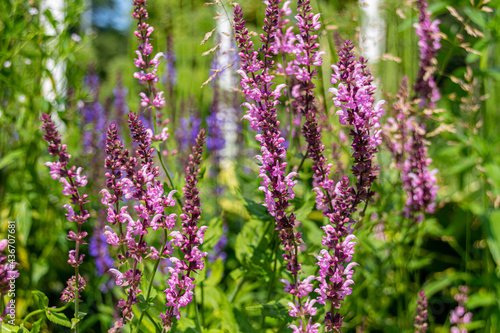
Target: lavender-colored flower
[120, 102]
[218, 251]
[7, 269]
[262, 100]
[460, 317]
[134, 178]
[421, 324]
[340, 201]
[170, 77]
[395, 128]
[354, 95]
[8, 274]
[69, 293]
[71, 180]
[98, 248]
[285, 40]
[305, 69]
[187, 132]
[418, 181]
[335, 266]
[405, 139]
[180, 283]
[215, 122]
[148, 67]
[429, 44]
[93, 116]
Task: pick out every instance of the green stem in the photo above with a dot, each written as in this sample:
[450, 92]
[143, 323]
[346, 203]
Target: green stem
[77, 299]
[302, 161]
[32, 314]
[153, 321]
[198, 319]
[276, 248]
[236, 289]
[153, 273]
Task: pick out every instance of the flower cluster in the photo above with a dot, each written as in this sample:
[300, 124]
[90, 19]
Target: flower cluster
[180, 283]
[338, 202]
[405, 139]
[354, 95]
[262, 99]
[7, 271]
[460, 317]
[429, 44]
[215, 121]
[187, 131]
[98, 248]
[120, 103]
[305, 69]
[284, 39]
[421, 313]
[134, 178]
[69, 293]
[418, 181]
[395, 128]
[148, 67]
[93, 116]
[71, 180]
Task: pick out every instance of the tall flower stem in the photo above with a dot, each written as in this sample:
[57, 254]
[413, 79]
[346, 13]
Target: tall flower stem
[256, 82]
[152, 278]
[71, 180]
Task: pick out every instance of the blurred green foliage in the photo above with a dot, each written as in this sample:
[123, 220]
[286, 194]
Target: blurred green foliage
[459, 244]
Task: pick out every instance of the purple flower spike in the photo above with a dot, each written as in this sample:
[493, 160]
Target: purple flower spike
[418, 181]
[71, 180]
[148, 67]
[180, 283]
[405, 138]
[429, 44]
[7, 271]
[134, 178]
[460, 317]
[395, 128]
[421, 325]
[305, 69]
[262, 99]
[354, 95]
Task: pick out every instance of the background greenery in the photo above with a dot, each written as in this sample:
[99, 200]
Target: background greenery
[459, 244]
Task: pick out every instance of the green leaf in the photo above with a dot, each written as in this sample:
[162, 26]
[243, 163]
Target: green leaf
[10, 157]
[23, 219]
[481, 299]
[213, 233]
[42, 300]
[6, 328]
[444, 282]
[253, 242]
[74, 321]
[476, 16]
[228, 321]
[59, 318]
[217, 271]
[36, 327]
[303, 212]
[40, 268]
[255, 210]
[273, 309]
[492, 226]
